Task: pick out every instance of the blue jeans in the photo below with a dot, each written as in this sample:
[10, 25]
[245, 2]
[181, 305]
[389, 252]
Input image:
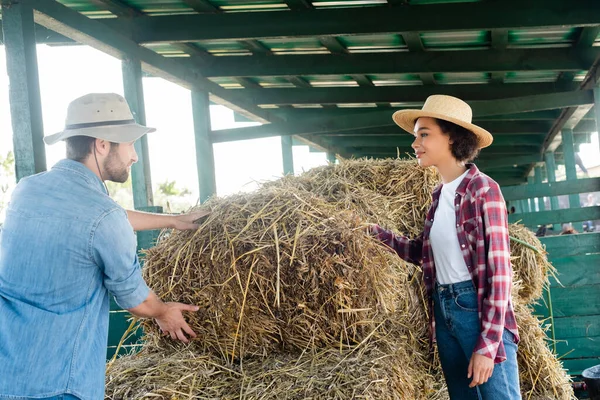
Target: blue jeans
[61, 397]
[457, 328]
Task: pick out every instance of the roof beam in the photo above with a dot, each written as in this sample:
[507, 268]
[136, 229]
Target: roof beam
[366, 20]
[410, 94]
[405, 62]
[202, 6]
[70, 23]
[380, 121]
[117, 7]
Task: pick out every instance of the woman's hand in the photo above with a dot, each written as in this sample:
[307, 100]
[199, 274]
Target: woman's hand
[480, 369]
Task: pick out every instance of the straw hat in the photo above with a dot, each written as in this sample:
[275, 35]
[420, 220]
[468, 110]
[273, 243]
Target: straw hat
[103, 116]
[447, 108]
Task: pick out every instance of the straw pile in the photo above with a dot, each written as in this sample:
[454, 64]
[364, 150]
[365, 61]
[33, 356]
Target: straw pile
[298, 302]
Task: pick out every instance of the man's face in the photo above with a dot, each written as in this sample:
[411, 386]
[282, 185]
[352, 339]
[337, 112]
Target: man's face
[118, 162]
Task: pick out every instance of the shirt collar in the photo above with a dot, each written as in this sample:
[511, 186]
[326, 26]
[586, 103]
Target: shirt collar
[472, 171]
[78, 168]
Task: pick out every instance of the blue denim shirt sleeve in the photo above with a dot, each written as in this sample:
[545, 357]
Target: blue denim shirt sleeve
[114, 251]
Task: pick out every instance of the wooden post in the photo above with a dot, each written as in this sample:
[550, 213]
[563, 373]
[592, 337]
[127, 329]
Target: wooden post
[597, 111]
[539, 179]
[205, 159]
[531, 200]
[141, 181]
[551, 172]
[331, 157]
[571, 169]
[24, 89]
[288, 155]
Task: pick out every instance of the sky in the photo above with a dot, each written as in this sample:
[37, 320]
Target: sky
[72, 71]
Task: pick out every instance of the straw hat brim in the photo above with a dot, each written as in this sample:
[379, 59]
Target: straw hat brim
[114, 133]
[406, 120]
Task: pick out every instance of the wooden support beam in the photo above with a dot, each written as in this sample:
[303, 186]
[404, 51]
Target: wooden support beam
[24, 89]
[597, 111]
[205, 159]
[331, 158]
[532, 206]
[413, 62]
[551, 171]
[117, 7]
[499, 42]
[534, 97]
[70, 23]
[367, 20]
[287, 155]
[202, 6]
[141, 180]
[538, 178]
[570, 169]
[572, 215]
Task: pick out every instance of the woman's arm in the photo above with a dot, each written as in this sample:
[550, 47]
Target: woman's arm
[410, 250]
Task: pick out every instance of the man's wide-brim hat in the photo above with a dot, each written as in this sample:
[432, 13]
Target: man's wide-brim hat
[103, 116]
[447, 108]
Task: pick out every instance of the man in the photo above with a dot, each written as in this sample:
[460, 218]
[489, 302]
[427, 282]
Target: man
[64, 247]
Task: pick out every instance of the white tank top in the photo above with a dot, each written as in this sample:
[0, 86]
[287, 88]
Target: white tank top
[450, 265]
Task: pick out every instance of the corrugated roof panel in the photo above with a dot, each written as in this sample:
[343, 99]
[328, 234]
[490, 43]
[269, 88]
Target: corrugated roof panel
[88, 9]
[580, 76]
[223, 47]
[347, 3]
[227, 83]
[331, 81]
[357, 105]
[454, 78]
[373, 43]
[542, 37]
[253, 5]
[531, 76]
[458, 40]
[160, 7]
[274, 82]
[166, 50]
[307, 45]
[395, 79]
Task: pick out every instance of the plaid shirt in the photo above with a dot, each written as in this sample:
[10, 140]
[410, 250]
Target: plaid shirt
[482, 230]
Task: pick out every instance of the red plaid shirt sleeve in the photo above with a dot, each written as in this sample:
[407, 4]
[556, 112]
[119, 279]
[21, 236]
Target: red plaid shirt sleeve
[410, 250]
[498, 270]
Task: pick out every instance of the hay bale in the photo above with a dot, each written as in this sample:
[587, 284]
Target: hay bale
[530, 264]
[395, 193]
[297, 302]
[373, 371]
[541, 374]
[278, 270]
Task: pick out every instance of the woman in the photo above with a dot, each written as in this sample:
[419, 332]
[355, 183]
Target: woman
[465, 255]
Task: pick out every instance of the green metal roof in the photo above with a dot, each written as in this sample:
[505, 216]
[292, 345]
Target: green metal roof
[309, 61]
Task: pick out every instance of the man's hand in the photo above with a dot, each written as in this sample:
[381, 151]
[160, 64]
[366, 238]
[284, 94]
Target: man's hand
[172, 323]
[480, 369]
[186, 221]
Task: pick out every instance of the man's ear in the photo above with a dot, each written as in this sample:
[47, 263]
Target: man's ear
[102, 147]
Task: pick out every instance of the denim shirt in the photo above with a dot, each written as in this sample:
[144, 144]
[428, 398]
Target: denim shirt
[64, 247]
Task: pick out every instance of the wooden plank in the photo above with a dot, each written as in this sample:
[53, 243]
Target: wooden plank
[576, 366]
[492, 99]
[571, 245]
[579, 347]
[401, 63]
[571, 169]
[24, 89]
[365, 20]
[551, 189]
[578, 326]
[556, 216]
[575, 300]
[205, 159]
[577, 270]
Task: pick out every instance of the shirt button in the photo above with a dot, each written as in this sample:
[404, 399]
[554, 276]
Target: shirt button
[463, 246]
[457, 225]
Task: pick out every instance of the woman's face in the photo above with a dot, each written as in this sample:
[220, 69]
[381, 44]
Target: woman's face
[431, 145]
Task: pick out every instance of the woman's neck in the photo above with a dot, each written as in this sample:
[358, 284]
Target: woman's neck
[451, 170]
